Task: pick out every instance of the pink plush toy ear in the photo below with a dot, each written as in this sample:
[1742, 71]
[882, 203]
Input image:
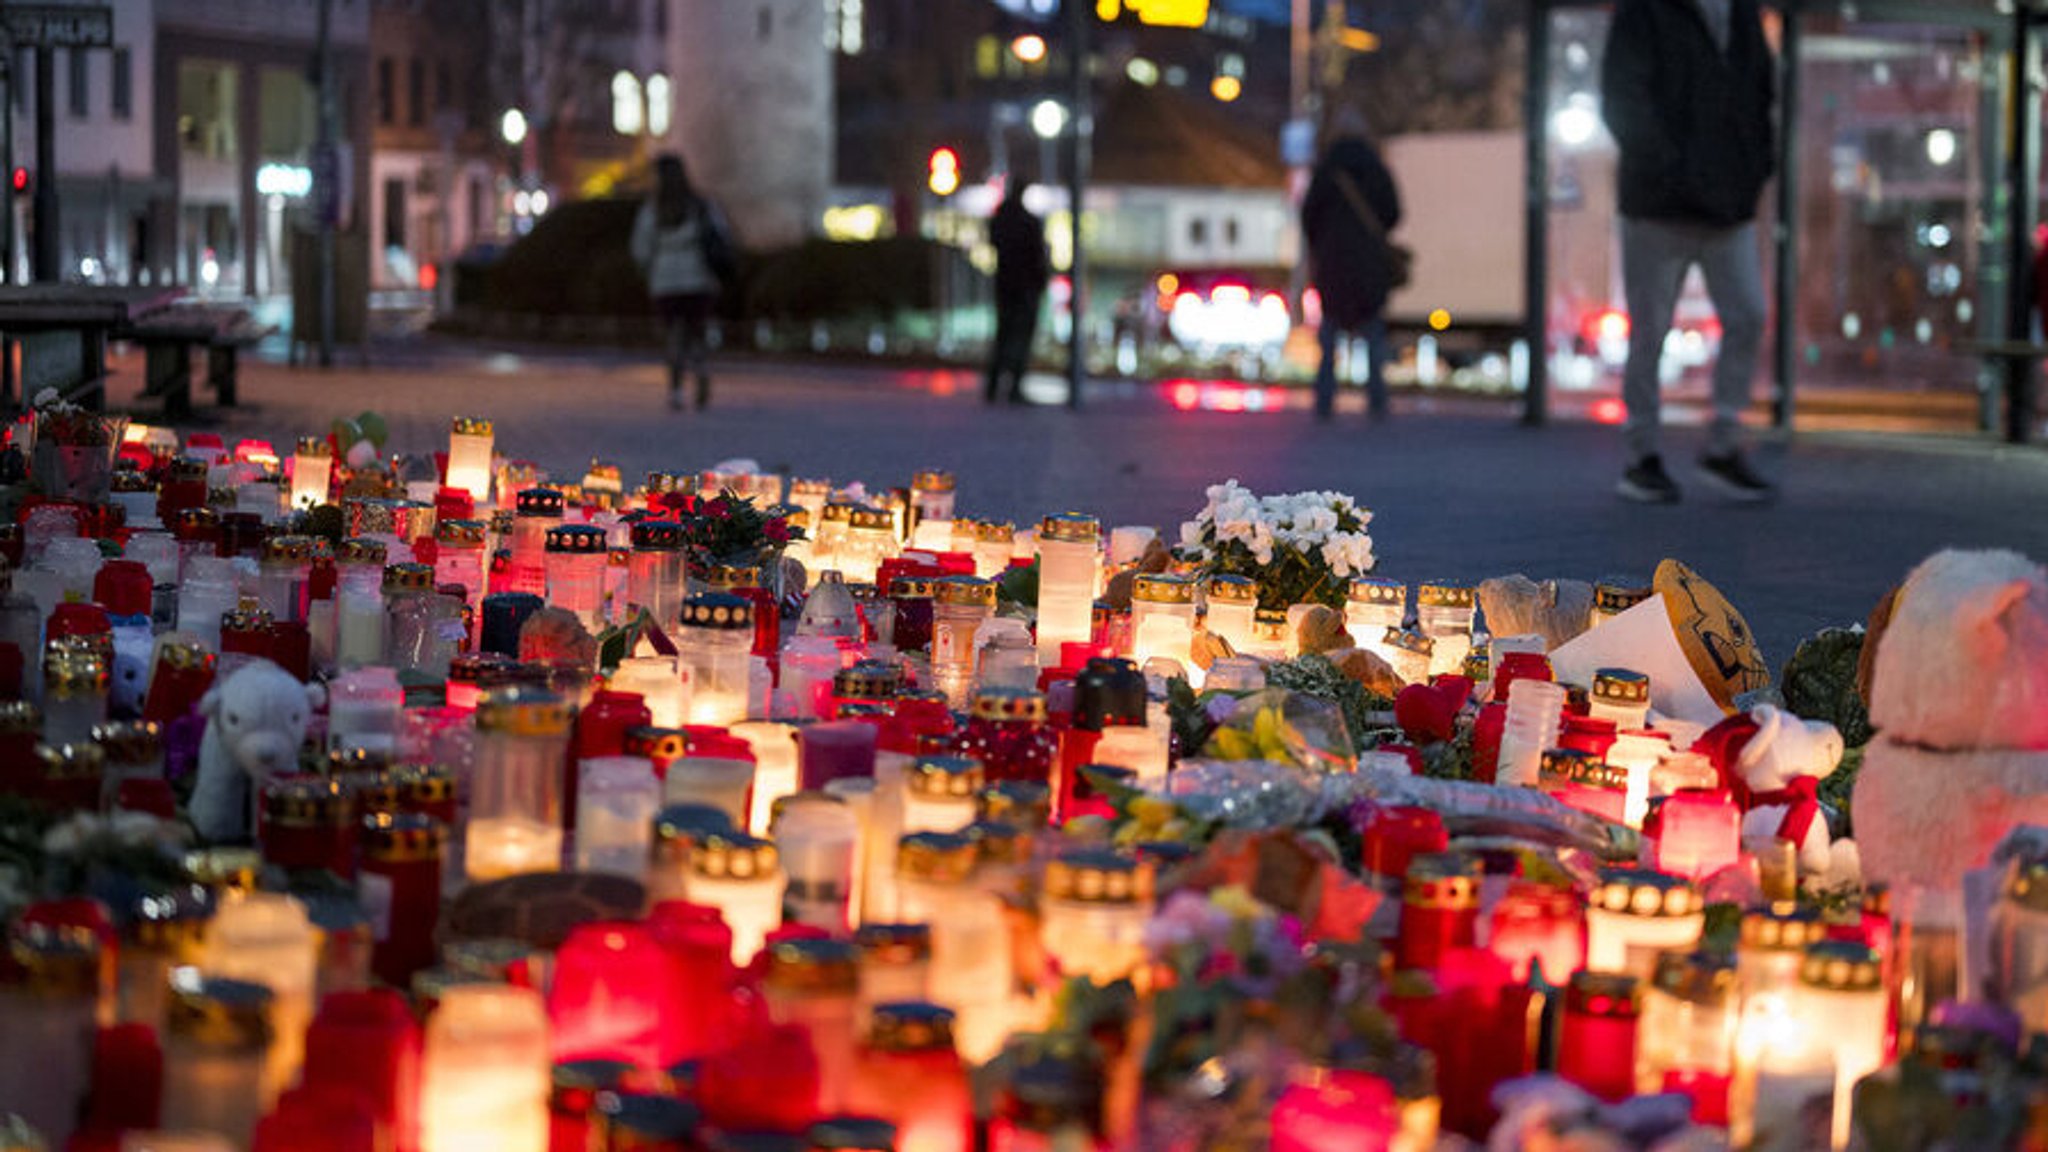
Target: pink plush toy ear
[1982, 620]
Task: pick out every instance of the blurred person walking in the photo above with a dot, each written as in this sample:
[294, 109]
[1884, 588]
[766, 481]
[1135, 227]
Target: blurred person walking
[1687, 88]
[1022, 270]
[1350, 208]
[682, 245]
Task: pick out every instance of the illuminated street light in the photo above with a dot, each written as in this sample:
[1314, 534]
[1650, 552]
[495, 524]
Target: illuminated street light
[1048, 118]
[944, 173]
[1941, 147]
[1576, 123]
[1226, 88]
[512, 126]
[1029, 48]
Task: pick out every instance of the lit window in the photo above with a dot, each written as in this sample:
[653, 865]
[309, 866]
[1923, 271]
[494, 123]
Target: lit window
[988, 57]
[658, 105]
[627, 109]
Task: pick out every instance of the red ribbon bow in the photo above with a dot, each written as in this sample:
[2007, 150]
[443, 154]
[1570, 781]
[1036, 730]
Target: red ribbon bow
[1802, 801]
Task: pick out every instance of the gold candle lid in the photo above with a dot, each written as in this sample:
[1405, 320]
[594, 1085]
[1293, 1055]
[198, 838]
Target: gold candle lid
[362, 550]
[20, 718]
[729, 577]
[932, 480]
[997, 843]
[1096, 876]
[1409, 640]
[71, 667]
[1621, 687]
[718, 610]
[994, 532]
[812, 964]
[910, 1026]
[224, 869]
[868, 680]
[470, 426]
[461, 533]
[1160, 588]
[308, 802]
[218, 1012]
[837, 511]
[1695, 977]
[408, 578]
[1443, 594]
[288, 550]
[894, 943]
[424, 783]
[1841, 966]
[912, 587]
[1447, 880]
[56, 960]
[944, 857]
[1379, 591]
[522, 711]
[1020, 704]
[1609, 995]
[1782, 927]
[1070, 528]
[946, 777]
[1642, 892]
[130, 743]
[1231, 590]
[1616, 595]
[313, 446]
[964, 591]
[402, 837]
[1022, 803]
[734, 856]
[71, 761]
[871, 519]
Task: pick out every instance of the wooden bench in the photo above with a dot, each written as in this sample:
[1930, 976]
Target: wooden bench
[61, 332]
[168, 339]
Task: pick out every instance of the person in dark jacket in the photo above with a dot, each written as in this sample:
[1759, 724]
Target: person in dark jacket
[1022, 270]
[1687, 88]
[1350, 207]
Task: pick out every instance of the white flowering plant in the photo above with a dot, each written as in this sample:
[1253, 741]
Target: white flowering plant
[1302, 548]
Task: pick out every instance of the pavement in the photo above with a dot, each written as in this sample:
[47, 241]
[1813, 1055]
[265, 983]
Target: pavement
[1459, 488]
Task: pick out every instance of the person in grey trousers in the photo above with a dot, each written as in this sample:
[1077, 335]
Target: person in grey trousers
[1688, 90]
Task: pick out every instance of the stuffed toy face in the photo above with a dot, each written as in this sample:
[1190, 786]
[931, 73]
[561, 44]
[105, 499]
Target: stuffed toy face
[131, 671]
[258, 718]
[1786, 748]
[1963, 663]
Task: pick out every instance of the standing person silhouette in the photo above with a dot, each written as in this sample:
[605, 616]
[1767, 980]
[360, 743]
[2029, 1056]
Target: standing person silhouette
[1687, 88]
[1350, 207]
[1022, 270]
[682, 246]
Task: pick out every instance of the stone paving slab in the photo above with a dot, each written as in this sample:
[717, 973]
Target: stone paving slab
[1459, 490]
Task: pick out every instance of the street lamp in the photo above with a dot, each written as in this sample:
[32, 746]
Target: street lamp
[512, 126]
[1048, 120]
[1029, 48]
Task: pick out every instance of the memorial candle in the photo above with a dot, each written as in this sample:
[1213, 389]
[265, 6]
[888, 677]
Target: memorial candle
[1597, 1036]
[216, 1056]
[471, 440]
[740, 876]
[515, 813]
[1336, 1110]
[1634, 914]
[485, 1077]
[1232, 603]
[1686, 1038]
[1539, 929]
[1069, 568]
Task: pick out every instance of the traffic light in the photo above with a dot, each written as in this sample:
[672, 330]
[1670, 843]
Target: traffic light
[944, 177]
[19, 182]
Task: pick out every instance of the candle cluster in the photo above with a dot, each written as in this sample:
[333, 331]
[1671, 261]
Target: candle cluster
[555, 816]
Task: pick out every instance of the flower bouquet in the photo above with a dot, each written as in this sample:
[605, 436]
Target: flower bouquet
[1302, 548]
[73, 451]
[731, 530]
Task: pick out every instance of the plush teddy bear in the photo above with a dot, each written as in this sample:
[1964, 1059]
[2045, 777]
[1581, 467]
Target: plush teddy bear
[1959, 697]
[130, 674]
[1781, 766]
[255, 721]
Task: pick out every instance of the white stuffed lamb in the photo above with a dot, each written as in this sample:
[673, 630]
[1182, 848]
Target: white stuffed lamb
[255, 721]
[1783, 765]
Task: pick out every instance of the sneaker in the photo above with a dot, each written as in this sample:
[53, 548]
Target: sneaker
[1647, 483]
[1730, 473]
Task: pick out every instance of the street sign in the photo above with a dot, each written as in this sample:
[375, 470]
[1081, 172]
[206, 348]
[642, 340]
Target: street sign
[58, 25]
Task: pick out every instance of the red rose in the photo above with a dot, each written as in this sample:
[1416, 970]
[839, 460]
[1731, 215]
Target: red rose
[776, 530]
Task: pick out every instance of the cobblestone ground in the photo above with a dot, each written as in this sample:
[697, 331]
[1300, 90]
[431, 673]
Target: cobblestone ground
[1459, 491]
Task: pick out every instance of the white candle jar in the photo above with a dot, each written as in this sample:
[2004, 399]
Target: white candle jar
[1687, 1026]
[281, 577]
[895, 964]
[515, 792]
[312, 471]
[2019, 943]
[1372, 606]
[1232, 606]
[830, 539]
[484, 1074]
[459, 558]
[366, 711]
[971, 970]
[775, 768]
[721, 782]
[470, 443]
[47, 1026]
[819, 849]
[576, 558]
[359, 603]
[1621, 696]
[716, 637]
[1535, 713]
[1635, 914]
[1842, 995]
[217, 1039]
[536, 510]
[423, 630]
[1411, 653]
[960, 606]
[616, 801]
[1613, 596]
[859, 796]
[655, 680]
[1443, 612]
[1772, 948]
[810, 495]
[939, 793]
[1093, 907]
[657, 573]
[870, 539]
[1158, 596]
[740, 876]
[1782, 1098]
[678, 829]
[1145, 749]
[932, 495]
[995, 541]
[266, 938]
[1069, 567]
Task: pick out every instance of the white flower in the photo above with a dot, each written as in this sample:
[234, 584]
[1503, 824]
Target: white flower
[48, 397]
[1191, 534]
[73, 834]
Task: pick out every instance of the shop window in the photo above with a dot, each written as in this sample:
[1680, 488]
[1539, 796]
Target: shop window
[123, 84]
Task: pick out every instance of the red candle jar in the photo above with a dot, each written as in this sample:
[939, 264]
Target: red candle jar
[183, 488]
[922, 717]
[427, 790]
[72, 776]
[1007, 733]
[291, 646]
[368, 1042]
[1519, 666]
[912, 1043]
[1699, 832]
[246, 632]
[454, 504]
[913, 598]
[309, 1119]
[1487, 728]
[1336, 1109]
[698, 946]
[1439, 908]
[400, 887]
[1539, 930]
[184, 671]
[769, 1081]
[123, 588]
[1596, 1039]
[1589, 734]
[1582, 781]
[309, 822]
[127, 1079]
[84, 622]
[602, 725]
[1395, 835]
[1107, 692]
[613, 994]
